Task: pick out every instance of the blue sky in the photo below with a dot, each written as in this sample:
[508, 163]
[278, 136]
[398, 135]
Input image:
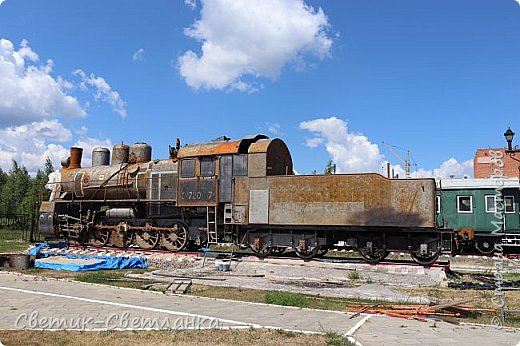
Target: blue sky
[332, 78]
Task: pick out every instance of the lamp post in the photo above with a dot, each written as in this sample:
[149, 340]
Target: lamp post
[512, 151]
[509, 134]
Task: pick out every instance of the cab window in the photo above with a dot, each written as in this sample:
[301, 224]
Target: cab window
[188, 168]
[207, 167]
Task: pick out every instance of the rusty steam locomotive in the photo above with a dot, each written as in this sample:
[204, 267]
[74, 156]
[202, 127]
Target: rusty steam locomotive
[242, 191]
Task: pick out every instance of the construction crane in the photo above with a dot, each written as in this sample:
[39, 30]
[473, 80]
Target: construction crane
[405, 161]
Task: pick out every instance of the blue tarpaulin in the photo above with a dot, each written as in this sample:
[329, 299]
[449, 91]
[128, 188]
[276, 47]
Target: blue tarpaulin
[36, 250]
[76, 263]
[87, 263]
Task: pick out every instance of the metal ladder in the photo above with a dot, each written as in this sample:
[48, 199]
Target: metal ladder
[211, 224]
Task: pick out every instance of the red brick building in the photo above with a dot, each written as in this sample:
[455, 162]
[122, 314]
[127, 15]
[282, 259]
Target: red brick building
[483, 165]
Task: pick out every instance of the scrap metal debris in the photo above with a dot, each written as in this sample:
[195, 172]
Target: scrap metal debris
[445, 311]
[481, 283]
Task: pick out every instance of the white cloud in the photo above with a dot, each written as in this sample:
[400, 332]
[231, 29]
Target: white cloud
[138, 55]
[81, 131]
[447, 168]
[31, 100]
[103, 91]
[354, 153]
[273, 128]
[2, 1]
[191, 3]
[31, 144]
[313, 142]
[351, 152]
[518, 2]
[28, 91]
[245, 40]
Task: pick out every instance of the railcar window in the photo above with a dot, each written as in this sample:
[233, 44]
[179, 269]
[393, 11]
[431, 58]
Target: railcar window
[438, 204]
[239, 165]
[490, 204]
[509, 204]
[465, 204]
[188, 168]
[207, 167]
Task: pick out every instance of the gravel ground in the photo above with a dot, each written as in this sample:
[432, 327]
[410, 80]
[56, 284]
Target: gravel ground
[315, 278]
[319, 279]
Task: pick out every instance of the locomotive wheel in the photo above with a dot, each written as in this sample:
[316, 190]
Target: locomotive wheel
[374, 256]
[308, 253]
[322, 251]
[122, 237]
[261, 252]
[485, 246]
[278, 250]
[424, 260]
[100, 237]
[176, 238]
[148, 238]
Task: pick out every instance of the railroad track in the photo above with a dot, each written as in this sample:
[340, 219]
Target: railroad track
[290, 256]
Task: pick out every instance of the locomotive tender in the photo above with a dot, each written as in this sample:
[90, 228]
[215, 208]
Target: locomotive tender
[242, 191]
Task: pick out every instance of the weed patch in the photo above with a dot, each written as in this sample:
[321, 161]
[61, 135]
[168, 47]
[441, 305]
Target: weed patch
[285, 299]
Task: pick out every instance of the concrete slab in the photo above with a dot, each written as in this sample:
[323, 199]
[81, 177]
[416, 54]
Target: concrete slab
[394, 331]
[98, 303]
[37, 303]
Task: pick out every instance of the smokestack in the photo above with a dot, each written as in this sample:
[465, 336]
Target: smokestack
[75, 157]
[388, 170]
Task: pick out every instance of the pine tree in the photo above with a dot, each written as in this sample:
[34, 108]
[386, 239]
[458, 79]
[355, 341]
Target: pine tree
[3, 180]
[15, 190]
[48, 168]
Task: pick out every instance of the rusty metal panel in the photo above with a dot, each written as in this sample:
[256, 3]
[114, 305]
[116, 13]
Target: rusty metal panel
[336, 213]
[47, 207]
[345, 200]
[415, 198]
[209, 149]
[239, 214]
[277, 158]
[240, 165]
[168, 186]
[257, 165]
[197, 192]
[78, 183]
[260, 146]
[259, 206]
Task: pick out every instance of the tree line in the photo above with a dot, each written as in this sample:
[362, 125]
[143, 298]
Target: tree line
[21, 193]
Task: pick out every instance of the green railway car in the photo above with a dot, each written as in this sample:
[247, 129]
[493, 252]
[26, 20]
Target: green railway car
[483, 212]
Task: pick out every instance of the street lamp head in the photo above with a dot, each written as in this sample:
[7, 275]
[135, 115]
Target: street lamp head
[509, 134]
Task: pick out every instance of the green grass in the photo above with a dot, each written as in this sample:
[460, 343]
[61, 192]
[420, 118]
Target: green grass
[336, 339]
[511, 276]
[353, 275]
[247, 337]
[13, 245]
[285, 299]
[259, 296]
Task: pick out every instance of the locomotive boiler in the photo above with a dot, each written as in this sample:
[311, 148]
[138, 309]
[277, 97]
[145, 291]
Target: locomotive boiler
[242, 191]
